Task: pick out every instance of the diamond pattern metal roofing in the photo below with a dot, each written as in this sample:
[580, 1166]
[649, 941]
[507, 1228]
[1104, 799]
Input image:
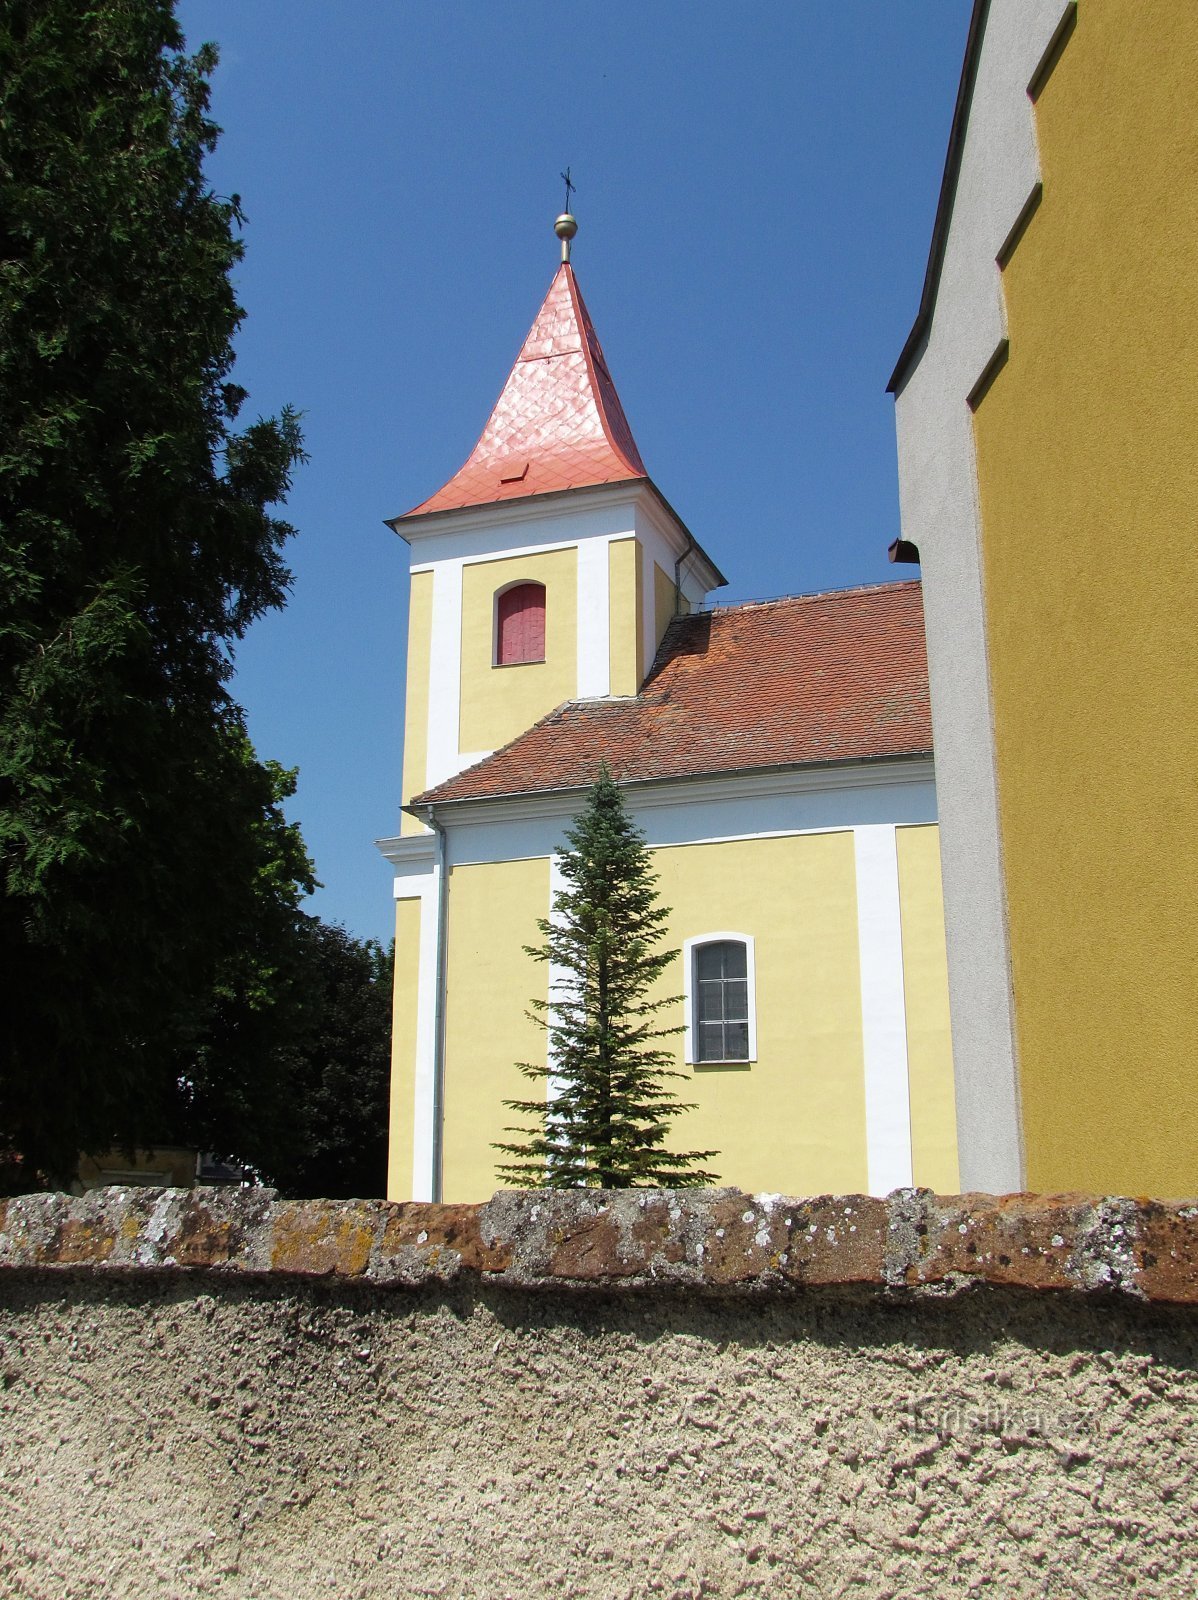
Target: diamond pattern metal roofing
[558, 423]
[841, 676]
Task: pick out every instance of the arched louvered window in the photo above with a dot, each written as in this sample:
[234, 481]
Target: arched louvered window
[520, 624]
[721, 1023]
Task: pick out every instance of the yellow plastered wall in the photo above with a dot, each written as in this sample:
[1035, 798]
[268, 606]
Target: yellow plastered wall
[1087, 446]
[493, 911]
[663, 603]
[925, 993]
[625, 561]
[497, 703]
[793, 1121]
[403, 1049]
[415, 737]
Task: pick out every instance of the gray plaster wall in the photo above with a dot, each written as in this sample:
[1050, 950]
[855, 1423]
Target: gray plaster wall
[179, 1437]
[940, 511]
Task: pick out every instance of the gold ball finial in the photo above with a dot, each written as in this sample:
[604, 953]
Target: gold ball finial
[565, 227]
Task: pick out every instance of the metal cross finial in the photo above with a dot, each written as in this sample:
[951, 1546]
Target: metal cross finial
[565, 227]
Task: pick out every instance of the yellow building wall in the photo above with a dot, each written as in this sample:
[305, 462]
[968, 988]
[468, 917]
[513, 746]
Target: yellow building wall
[403, 1049]
[1087, 446]
[793, 1121]
[925, 994]
[497, 703]
[663, 603]
[625, 588]
[415, 734]
[493, 911]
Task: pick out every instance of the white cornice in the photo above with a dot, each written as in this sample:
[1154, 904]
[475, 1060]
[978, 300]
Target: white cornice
[662, 517]
[640, 496]
[416, 850]
[645, 794]
[502, 513]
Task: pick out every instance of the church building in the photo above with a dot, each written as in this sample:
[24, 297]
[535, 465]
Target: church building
[777, 756]
[1046, 418]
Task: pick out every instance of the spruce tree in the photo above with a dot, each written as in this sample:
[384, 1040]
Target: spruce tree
[136, 547]
[606, 1124]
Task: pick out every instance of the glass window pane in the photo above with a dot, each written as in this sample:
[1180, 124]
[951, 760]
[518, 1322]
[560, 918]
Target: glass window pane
[736, 1041]
[711, 1041]
[709, 961]
[711, 1000]
[736, 1000]
[735, 964]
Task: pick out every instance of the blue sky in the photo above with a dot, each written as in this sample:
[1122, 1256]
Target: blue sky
[756, 187]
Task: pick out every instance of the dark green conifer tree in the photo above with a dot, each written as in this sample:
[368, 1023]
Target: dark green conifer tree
[136, 547]
[607, 1123]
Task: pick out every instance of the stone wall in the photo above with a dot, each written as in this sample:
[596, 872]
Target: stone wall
[597, 1395]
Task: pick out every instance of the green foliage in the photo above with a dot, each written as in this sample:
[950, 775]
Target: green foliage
[607, 1123]
[292, 1077]
[340, 1072]
[145, 861]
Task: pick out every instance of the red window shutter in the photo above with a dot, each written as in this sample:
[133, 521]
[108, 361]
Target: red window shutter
[521, 624]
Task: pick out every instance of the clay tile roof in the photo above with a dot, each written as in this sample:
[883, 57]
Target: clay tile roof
[813, 679]
[558, 423]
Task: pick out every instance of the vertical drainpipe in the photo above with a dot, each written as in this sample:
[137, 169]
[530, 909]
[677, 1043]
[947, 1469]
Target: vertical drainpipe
[439, 999]
[690, 546]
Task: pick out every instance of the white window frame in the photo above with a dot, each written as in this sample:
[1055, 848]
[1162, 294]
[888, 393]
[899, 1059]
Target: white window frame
[689, 949]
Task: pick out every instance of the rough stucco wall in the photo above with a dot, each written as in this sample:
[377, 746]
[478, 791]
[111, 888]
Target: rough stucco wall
[1087, 470]
[164, 1439]
[206, 1394]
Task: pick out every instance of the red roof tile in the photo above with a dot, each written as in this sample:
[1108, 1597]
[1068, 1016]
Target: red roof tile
[557, 425]
[816, 678]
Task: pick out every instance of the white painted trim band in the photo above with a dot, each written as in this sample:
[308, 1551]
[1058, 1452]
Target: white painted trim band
[883, 1010]
[561, 981]
[593, 620]
[424, 1133]
[444, 676]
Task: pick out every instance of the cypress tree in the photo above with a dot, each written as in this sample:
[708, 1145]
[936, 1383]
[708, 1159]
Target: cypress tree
[607, 1121]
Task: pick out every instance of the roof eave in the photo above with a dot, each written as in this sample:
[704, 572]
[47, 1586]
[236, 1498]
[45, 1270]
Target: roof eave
[423, 517]
[944, 205]
[421, 804]
[440, 512]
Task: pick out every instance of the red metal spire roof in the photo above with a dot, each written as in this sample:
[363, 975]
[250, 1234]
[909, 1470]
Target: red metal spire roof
[557, 425]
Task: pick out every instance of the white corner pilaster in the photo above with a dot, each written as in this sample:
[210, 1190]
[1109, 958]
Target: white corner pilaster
[883, 1010]
[560, 980]
[445, 674]
[424, 888]
[593, 613]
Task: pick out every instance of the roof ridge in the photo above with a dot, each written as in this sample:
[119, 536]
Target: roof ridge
[807, 596]
[602, 383]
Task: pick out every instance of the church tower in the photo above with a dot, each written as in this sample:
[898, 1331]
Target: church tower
[549, 566]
